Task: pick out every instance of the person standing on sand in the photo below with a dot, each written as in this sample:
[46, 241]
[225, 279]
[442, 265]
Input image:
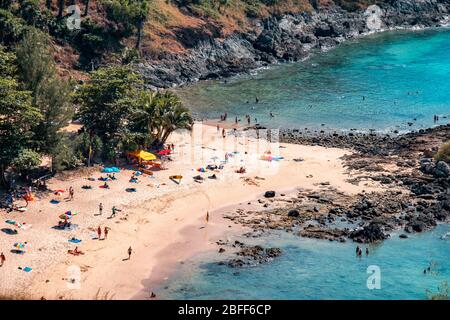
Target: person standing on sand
[218, 129]
[223, 133]
[105, 231]
[130, 251]
[71, 193]
[100, 208]
[2, 259]
[114, 211]
[99, 232]
[207, 216]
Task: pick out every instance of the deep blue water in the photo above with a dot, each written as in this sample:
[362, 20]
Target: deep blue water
[319, 269]
[379, 82]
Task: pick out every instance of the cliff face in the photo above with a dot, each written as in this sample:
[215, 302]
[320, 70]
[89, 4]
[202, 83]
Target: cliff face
[283, 38]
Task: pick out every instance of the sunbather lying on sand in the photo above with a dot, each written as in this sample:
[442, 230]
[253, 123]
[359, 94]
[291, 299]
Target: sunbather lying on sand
[241, 170]
[75, 252]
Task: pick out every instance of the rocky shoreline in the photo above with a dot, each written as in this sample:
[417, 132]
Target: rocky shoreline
[415, 194]
[281, 38]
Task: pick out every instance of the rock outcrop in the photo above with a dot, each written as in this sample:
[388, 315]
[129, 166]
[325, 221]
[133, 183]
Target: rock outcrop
[279, 39]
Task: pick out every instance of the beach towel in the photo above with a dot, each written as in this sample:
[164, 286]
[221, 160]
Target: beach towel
[54, 201]
[66, 228]
[9, 231]
[130, 190]
[74, 240]
[111, 170]
[26, 269]
[10, 222]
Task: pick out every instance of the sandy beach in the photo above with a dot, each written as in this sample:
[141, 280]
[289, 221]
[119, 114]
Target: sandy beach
[163, 222]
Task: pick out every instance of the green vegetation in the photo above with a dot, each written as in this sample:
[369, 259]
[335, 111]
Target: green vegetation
[130, 14]
[444, 153]
[17, 116]
[117, 111]
[37, 104]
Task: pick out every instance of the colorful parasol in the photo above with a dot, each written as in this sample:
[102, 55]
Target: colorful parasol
[164, 152]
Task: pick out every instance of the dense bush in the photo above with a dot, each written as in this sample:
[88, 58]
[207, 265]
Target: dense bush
[444, 153]
[11, 27]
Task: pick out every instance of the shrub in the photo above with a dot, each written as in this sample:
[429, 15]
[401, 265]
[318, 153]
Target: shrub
[444, 153]
[11, 27]
[27, 160]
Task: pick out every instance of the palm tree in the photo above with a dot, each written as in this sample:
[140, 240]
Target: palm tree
[173, 116]
[143, 117]
[155, 116]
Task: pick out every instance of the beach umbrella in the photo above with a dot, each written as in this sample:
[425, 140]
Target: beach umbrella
[65, 216]
[164, 152]
[143, 155]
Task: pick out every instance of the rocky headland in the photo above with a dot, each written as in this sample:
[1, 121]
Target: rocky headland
[281, 38]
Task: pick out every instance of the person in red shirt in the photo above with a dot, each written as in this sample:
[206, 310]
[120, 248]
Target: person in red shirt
[2, 259]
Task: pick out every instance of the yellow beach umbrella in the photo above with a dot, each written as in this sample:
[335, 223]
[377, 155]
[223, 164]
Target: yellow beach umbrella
[144, 155]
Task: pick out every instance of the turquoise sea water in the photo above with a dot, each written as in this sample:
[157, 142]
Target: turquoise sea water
[319, 269]
[379, 82]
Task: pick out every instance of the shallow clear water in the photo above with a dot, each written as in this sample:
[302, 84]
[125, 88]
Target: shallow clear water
[319, 269]
[379, 82]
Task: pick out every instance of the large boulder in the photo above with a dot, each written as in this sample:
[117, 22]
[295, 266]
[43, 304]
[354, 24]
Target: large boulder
[427, 166]
[269, 194]
[370, 233]
[420, 223]
[442, 170]
[293, 213]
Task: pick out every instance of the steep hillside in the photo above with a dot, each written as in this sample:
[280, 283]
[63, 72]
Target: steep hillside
[177, 41]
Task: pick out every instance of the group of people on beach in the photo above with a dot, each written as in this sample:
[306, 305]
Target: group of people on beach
[223, 117]
[359, 251]
[105, 232]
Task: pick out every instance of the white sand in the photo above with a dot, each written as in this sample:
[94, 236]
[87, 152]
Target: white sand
[162, 221]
